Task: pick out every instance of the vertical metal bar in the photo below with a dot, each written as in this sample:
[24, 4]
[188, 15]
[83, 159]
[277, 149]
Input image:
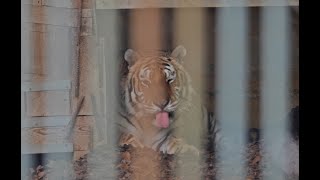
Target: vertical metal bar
[189, 31]
[101, 61]
[103, 93]
[98, 119]
[107, 22]
[275, 86]
[110, 48]
[143, 40]
[232, 84]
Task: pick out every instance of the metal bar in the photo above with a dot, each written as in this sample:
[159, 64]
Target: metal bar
[189, 31]
[100, 125]
[275, 55]
[108, 23]
[232, 80]
[101, 62]
[53, 121]
[110, 71]
[46, 86]
[125, 4]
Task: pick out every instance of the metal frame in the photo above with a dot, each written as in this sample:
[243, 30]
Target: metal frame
[133, 4]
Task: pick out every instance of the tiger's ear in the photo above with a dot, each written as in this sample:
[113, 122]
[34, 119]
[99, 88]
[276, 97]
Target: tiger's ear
[131, 56]
[179, 52]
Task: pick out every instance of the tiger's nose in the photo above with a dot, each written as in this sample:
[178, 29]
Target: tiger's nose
[162, 104]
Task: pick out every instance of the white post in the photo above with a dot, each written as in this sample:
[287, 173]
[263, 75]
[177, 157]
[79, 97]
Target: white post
[275, 85]
[232, 80]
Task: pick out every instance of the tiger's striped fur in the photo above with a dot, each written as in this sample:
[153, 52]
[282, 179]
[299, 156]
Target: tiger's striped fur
[152, 85]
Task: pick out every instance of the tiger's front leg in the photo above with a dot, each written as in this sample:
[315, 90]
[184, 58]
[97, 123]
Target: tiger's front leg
[129, 139]
[175, 145]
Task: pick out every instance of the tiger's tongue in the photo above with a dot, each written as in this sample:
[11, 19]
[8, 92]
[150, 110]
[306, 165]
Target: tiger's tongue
[162, 119]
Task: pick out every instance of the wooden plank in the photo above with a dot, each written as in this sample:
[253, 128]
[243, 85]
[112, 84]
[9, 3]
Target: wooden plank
[95, 30]
[82, 133]
[51, 49]
[23, 105]
[48, 28]
[46, 50]
[76, 63]
[87, 13]
[44, 135]
[54, 3]
[86, 66]
[48, 103]
[37, 2]
[61, 53]
[86, 27]
[32, 2]
[46, 148]
[52, 121]
[46, 86]
[26, 77]
[25, 53]
[83, 125]
[78, 154]
[27, 2]
[38, 53]
[88, 4]
[82, 143]
[71, 125]
[62, 3]
[51, 15]
[127, 4]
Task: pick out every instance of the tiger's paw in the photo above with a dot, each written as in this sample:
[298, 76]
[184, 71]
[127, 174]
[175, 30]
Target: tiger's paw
[177, 146]
[129, 139]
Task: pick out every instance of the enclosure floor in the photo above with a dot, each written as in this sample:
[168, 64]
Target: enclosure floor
[127, 163]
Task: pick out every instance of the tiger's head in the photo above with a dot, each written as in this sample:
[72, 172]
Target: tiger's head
[157, 87]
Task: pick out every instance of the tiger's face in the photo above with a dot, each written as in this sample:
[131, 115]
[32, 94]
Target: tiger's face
[156, 86]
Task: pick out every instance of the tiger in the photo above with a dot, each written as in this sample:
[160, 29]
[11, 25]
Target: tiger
[156, 99]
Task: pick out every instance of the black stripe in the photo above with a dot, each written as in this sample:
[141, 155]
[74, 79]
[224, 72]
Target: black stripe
[135, 89]
[129, 90]
[165, 64]
[168, 69]
[166, 137]
[121, 125]
[127, 119]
